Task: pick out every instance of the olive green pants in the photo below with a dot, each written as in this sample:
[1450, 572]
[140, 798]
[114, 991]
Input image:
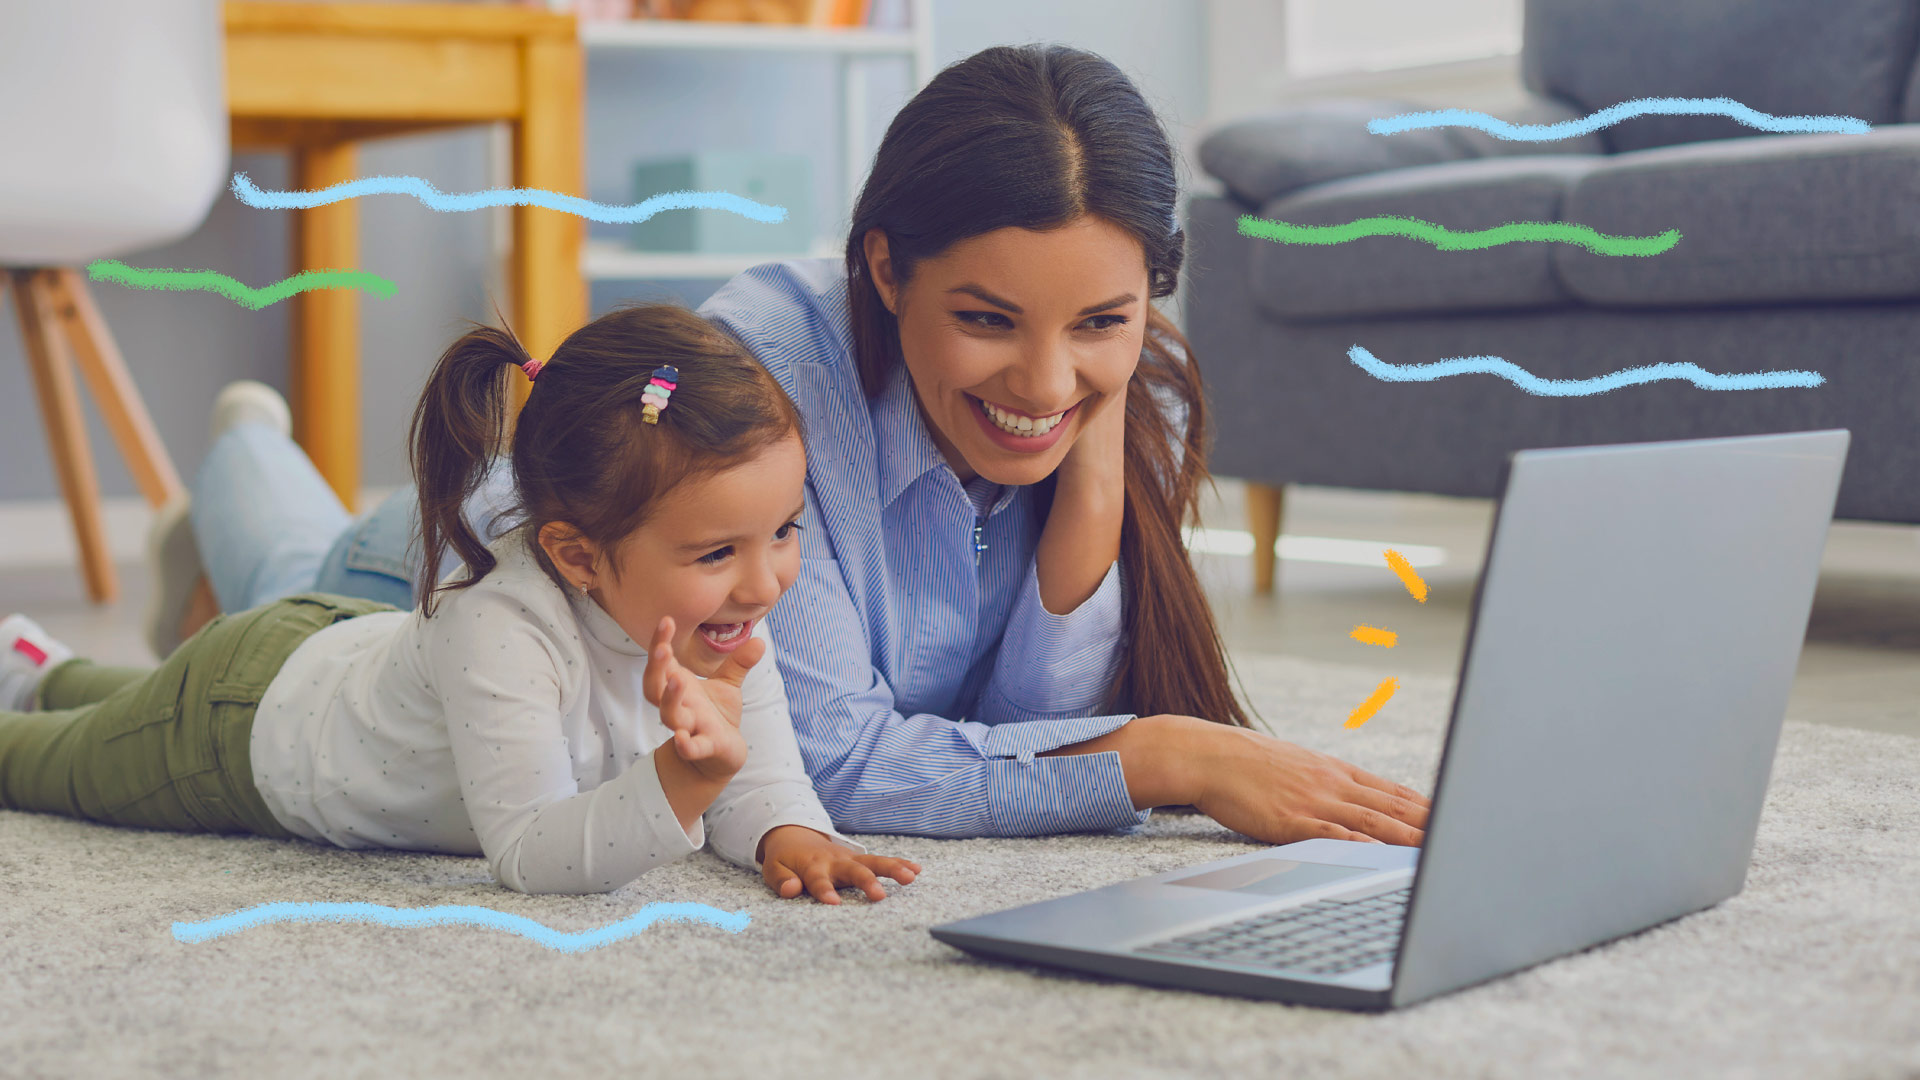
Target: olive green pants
[166, 748]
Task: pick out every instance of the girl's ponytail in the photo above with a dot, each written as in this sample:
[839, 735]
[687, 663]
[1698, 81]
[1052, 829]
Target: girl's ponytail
[458, 428]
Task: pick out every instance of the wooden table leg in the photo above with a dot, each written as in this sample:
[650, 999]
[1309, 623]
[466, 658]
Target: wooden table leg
[326, 334]
[549, 294]
[1263, 520]
[35, 304]
[113, 388]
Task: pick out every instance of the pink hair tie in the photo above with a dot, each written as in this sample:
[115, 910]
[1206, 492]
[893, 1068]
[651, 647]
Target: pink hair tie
[532, 368]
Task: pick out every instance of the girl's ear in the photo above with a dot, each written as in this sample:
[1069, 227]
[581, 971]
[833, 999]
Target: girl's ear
[880, 268]
[575, 556]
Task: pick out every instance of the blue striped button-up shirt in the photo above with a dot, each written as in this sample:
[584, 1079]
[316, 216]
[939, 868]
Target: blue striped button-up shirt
[924, 676]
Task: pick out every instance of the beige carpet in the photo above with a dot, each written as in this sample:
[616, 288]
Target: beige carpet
[1813, 971]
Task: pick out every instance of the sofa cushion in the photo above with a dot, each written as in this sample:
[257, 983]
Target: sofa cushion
[1264, 157]
[1382, 275]
[1267, 156]
[1769, 219]
[1786, 57]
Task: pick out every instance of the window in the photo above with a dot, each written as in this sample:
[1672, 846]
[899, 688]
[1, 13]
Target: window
[1332, 37]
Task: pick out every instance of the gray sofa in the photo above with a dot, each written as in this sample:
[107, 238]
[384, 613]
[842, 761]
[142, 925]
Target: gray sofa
[1797, 252]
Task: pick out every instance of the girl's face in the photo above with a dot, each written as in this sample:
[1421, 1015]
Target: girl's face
[1015, 337]
[715, 555]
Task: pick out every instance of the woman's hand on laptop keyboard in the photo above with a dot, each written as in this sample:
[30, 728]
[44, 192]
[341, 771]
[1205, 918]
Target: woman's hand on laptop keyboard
[1270, 790]
[1278, 792]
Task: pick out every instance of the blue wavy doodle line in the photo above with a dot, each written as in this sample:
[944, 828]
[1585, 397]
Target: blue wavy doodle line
[1534, 384]
[247, 192]
[1567, 129]
[450, 914]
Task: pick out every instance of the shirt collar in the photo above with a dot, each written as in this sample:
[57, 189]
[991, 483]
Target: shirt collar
[906, 449]
[601, 626]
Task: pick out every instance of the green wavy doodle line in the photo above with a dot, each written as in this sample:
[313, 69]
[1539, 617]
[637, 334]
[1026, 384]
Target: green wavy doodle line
[1513, 232]
[119, 273]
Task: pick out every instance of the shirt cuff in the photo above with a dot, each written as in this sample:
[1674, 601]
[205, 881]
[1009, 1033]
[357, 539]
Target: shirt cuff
[1029, 795]
[1060, 665]
[656, 816]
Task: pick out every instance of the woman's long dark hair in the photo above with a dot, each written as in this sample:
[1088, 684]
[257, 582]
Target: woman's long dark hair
[581, 453]
[1034, 137]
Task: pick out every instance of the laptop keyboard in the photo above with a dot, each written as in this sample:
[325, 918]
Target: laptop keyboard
[1326, 937]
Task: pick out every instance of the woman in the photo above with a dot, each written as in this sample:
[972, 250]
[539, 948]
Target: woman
[996, 630]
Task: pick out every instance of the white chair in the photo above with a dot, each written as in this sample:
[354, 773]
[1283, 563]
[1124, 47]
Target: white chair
[113, 140]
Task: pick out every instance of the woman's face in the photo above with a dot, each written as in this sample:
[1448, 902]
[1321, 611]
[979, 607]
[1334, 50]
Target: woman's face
[1014, 338]
[716, 555]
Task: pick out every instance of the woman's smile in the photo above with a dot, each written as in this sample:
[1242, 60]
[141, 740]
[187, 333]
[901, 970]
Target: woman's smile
[1020, 432]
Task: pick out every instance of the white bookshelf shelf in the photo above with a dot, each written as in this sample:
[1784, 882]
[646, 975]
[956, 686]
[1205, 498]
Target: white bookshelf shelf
[603, 260]
[855, 50]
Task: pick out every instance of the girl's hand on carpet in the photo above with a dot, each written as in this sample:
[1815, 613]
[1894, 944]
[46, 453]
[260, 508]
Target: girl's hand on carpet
[795, 859]
[1277, 792]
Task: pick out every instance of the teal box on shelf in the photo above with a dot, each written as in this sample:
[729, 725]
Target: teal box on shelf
[784, 180]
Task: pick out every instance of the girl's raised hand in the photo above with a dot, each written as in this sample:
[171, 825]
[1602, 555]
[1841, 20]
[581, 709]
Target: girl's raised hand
[795, 860]
[706, 732]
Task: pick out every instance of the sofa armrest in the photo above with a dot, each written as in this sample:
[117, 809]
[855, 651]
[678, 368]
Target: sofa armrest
[1263, 157]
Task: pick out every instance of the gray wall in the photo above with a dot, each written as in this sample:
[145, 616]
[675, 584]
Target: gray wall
[182, 347]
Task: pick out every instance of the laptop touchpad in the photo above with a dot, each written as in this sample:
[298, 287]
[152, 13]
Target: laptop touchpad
[1270, 876]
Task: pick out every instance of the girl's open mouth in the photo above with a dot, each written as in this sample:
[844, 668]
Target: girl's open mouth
[726, 637]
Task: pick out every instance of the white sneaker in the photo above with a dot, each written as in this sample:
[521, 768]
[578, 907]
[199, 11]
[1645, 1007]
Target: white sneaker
[250, 402]
[27, 653]
[173, 566]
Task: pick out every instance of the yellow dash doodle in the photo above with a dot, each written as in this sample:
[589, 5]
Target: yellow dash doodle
[1364, 711]
[1373, 635]
[1408, 576]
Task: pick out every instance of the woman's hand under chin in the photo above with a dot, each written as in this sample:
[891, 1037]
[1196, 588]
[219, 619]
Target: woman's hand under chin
[1095, 465]
[1082, 536]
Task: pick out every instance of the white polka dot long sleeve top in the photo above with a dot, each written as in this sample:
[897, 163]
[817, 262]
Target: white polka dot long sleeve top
[511, 724]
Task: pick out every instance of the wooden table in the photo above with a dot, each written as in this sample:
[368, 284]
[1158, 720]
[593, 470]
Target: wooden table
[316, 78]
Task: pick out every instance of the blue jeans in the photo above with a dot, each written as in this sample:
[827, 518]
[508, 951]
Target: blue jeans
[269, 527]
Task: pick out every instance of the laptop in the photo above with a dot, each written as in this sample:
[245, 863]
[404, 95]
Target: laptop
[1634, 637]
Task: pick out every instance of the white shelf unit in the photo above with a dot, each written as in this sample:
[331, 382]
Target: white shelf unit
[606, 260]
[851, 47]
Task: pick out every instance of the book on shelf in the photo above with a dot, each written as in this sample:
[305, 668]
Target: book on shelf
[815, 13]
[838, 13]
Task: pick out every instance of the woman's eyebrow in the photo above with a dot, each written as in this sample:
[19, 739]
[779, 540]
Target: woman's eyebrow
[976, 291]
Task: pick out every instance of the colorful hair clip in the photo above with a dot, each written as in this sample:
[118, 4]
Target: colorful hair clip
[660, 388]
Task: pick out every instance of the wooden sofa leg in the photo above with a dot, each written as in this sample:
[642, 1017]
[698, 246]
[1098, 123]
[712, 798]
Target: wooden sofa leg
[1263, 520]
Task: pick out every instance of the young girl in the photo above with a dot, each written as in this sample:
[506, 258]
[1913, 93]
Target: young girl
[659, 470]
